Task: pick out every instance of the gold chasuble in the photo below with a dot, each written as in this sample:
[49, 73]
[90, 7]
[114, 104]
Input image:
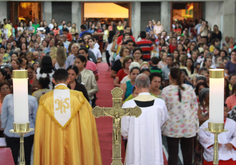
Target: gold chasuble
[72, 141]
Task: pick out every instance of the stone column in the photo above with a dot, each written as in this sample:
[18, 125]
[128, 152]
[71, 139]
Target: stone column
[3, 10]
[136, 18]
[229, 19]
[47, 11]
[165, 15]
[76, 13]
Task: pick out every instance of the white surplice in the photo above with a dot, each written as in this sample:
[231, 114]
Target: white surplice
[144, 145]
[207, 140]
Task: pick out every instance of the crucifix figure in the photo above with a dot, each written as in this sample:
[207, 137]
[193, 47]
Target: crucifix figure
[116, 112]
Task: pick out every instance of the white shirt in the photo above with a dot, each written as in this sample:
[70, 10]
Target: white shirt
[207, 139]
[96, 52]
[96, 45]
[50, 26]
[144, 133]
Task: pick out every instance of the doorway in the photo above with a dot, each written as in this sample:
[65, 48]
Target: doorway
[25, 11]
[185, 10]
[106, 12]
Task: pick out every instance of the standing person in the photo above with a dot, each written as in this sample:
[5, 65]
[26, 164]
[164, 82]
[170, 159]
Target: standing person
[7, 118]
[99, 32]
[230, 67]
[8, 27]
[155, 84]
[59, 127]
[73, 84]
[42, 88]
[51, 25]
[95, 51]
[60, 60]
[128, 31]
[204, 29]
[146, 46]
[138, 131]
[86, 77]
[35, 25]
[158, 28]
[75, 50]
[182, 125]
[216, 33]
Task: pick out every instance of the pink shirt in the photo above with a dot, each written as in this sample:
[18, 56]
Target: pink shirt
[93, 67]
[231, 101]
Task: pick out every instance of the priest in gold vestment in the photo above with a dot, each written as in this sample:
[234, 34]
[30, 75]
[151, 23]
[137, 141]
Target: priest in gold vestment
[65, 131]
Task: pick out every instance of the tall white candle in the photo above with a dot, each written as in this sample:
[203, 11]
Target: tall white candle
[20, 95]
[216, 96]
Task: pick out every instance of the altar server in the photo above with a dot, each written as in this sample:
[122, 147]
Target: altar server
[65, 131]
[226, 140]
[144, 133]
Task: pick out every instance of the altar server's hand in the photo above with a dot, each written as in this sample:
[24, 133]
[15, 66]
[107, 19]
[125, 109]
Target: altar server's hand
[229, 146]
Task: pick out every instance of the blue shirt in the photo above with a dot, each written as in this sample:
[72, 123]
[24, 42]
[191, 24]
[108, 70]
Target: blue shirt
[70, 60]
[81, 34]
[7, 117]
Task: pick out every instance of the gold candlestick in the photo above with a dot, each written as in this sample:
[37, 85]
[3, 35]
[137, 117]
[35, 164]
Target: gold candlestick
[21, 129]
[216, 129]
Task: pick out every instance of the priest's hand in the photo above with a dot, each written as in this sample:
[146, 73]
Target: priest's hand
[219, 145]
[229, 146]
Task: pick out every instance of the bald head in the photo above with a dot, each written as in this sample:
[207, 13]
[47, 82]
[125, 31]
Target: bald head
[142, 81]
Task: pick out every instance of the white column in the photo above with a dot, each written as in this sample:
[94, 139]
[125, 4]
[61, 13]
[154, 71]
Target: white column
[3, 10]
[229, 19]
[76, 13]
[47, 11]
[136, 18]
[165, 15]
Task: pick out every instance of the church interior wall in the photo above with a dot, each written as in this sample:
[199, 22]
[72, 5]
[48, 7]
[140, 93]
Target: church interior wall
[61, 11]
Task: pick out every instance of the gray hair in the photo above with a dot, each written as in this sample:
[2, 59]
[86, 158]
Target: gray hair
[203, 94]
[142, 81]
[75, 44]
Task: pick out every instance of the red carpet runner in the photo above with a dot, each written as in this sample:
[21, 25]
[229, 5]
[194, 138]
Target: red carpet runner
[104, 124]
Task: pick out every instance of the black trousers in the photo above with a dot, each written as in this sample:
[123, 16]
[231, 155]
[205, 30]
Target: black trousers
[107, 58]
[186, 148]
[14, 144]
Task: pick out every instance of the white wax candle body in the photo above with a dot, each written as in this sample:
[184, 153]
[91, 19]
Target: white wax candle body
[216, 98]
[20, 94]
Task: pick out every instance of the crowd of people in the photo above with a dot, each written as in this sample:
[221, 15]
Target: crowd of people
[174, 67]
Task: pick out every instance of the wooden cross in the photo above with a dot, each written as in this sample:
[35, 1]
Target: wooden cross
[116, 112]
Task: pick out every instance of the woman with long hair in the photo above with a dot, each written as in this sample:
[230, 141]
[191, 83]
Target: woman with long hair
[45, 70]
[59, 61]
[190, 67]
[216, 33]
[73, 29]
[182, 124]
[176, 55]
[55, 29]
[73, 84]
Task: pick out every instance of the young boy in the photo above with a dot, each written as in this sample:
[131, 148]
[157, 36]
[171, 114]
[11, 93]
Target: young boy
[154, 67]
[96, 51]
[227, 142]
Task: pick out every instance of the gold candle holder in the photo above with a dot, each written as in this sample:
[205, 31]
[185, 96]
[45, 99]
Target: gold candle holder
[21, 129]
[216, 129]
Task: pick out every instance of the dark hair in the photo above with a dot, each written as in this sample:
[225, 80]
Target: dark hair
[176, 74]
[73, 67]
[65, 30]
[81, 41]
[155, 60]
[5, 83]
[131, 70]
[143, 34]
[226, 54]
[83, 27]
[136, 49]
[234, 88]
[198, 86]
[84, 48]
[231, 75]
[44, 82]
[82, 59]
[155, 74]
[46, 65]
[192, 67]
[60, 75]
[126, 59]
[227, 89]
[170, 56]
[145, 69]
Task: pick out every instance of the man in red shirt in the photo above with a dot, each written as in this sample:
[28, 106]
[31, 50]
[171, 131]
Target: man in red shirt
[173, 46]
[68, 35]
[126, 30]
[146, 46]
[99, 32]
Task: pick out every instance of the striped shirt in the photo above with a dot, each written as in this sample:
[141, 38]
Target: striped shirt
[146, 47]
